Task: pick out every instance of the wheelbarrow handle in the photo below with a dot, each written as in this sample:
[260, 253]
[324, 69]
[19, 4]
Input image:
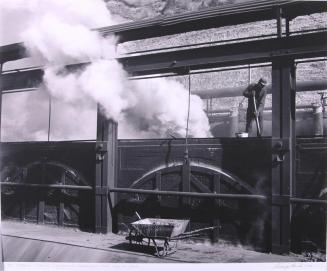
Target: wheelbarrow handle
[138, 216]
[199, 230]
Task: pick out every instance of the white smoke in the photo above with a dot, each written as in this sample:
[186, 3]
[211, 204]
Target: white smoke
[58, 32]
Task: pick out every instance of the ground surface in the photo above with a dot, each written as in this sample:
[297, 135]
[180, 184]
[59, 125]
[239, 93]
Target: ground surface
[24, 242]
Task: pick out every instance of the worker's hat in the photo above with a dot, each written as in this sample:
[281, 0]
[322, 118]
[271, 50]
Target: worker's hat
[262, 81]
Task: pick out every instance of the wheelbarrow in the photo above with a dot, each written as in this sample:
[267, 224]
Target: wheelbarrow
[166, 231]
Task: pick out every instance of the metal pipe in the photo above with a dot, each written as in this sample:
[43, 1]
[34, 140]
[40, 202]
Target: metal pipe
[269, 108]
[308, 30]
[52, 186]
[237, 91]
[19, 90]
[308, 201]
[187, 194]
[312, 60]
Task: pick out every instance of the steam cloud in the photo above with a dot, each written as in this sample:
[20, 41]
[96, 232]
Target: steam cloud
[58, 32]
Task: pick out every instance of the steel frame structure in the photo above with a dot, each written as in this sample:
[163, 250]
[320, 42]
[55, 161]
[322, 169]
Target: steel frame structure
[281, 51]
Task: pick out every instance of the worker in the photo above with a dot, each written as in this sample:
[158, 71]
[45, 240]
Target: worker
[256, 94]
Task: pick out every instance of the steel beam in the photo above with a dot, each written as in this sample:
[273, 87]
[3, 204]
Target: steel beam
[232, 14]
[229, 14]
[106, 158]
[279, 19]
[22, 79]
[1, 247]
[258, 51]
[304, 46]
[283, 158]
[12, 52]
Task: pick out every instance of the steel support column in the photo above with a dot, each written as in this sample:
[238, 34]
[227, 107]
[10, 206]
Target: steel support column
[105, 177]
[279, 21]
[283, 146]
[1, 248]
[1, 88]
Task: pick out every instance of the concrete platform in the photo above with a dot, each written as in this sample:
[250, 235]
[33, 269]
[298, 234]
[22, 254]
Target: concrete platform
[24, 242]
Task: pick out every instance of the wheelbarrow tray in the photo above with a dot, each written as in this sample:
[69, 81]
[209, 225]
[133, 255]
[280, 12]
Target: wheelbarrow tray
[159, 228]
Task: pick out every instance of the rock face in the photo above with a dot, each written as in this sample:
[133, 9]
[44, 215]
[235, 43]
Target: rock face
[144, 9]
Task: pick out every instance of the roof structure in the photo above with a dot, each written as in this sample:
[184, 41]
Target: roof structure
[231, 14]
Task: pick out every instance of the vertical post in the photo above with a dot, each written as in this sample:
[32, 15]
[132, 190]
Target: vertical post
[106, 156]
[283, 146]
[279, 22]
[1, 248]
[324, 114]
[287, 26]
[1, 67]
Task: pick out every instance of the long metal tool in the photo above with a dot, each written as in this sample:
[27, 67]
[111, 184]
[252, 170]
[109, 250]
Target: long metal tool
[256, 115]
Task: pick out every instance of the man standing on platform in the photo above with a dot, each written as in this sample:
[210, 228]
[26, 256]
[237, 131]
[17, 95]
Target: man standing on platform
[256, 94]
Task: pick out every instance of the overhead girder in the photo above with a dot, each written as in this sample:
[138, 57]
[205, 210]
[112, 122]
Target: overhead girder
[258, 51]
[293, 47]
[229, 14]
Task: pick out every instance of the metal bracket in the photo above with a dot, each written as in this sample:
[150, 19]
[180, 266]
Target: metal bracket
[282, 200]
[100, 190]
[280, 147]
[101, 150]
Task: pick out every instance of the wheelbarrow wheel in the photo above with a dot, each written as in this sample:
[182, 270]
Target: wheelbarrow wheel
[136, 238]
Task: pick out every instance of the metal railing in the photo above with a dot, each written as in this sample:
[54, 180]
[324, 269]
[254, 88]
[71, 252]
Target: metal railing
[211, 195]
[52, 186]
